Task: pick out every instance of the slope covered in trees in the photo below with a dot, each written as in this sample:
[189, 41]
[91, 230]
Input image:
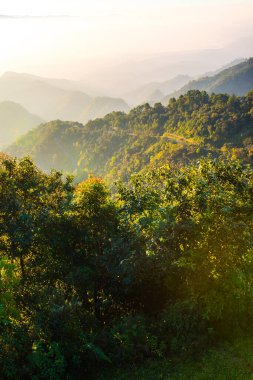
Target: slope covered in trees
[236, 80]
[89, 282]
[195, 125]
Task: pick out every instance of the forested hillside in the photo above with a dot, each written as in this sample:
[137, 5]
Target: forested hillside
[237, 80]
[193, 126]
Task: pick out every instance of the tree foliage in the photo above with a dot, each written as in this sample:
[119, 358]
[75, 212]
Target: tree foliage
[91, 279]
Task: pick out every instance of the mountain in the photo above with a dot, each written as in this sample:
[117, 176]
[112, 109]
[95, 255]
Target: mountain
[119, 144]
[15, 120]
[236, 80]
[42, 97]
[155, 91]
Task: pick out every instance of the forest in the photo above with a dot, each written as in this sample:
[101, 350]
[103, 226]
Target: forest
[93, 280]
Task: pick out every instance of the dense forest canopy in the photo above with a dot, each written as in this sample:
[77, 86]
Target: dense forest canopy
[89, 280]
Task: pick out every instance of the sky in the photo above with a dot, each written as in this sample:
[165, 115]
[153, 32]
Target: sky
[70, 38]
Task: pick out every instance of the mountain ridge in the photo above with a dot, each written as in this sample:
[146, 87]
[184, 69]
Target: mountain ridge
[237, 79]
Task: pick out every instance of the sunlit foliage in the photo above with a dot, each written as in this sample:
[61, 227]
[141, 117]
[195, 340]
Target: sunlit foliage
[91, 280]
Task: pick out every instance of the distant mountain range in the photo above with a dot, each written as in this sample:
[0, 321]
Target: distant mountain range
[237, 80]
[53, 99]
[15, 120]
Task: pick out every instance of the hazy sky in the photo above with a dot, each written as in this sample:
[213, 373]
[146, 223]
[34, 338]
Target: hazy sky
[36, 37]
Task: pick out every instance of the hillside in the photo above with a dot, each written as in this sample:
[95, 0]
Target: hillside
[195, 125]
[15, 120]
[236, 80]
[42, 97]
